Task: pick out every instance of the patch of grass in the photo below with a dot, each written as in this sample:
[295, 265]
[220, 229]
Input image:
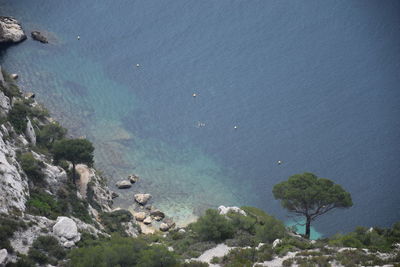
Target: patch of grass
[43, 204]
[112, 221]
[46, 249]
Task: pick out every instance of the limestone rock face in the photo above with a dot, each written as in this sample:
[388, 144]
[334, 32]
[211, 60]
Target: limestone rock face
[224, 210]
[123, 184]
[30, 132]
[66, 230]
[4, 103]
[142, 198]
[14, 189]
[276, 243]
[3, 256]
[11, 30]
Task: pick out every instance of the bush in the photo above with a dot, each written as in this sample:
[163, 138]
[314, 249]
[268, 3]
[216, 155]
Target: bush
[10, 89]
[195, 264]
[213, 227]
[240, 258]
[8, 226]
[267, 228]
[123, 252]
[32, 167]
[112, 221]
[70, 204]
[17, 117]
[43, 204]
[46, 249]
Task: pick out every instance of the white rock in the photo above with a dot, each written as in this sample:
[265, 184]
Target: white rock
[3, 256]
[30, 132]
[69, 244]
[147, 220]
[140, 216]
[142, 198]
[276, 243]
[260, 245]
[224, 210]
[11, 31]
[66, 228]
[181, 231]
[4, 102]
[164, 227]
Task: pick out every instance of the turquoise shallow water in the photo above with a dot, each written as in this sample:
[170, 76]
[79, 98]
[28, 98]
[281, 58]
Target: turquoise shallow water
[312, 84]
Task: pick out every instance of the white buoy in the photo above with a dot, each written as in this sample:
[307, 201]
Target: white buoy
[279, 162]
[235, 127]
[194, 94]
[137, 65]
[78, 37]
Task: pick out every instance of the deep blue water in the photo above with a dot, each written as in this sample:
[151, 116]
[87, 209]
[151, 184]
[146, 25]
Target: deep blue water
[314, 84]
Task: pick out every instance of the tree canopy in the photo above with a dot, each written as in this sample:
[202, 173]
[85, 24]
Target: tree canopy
[74, 150]
[309, 196]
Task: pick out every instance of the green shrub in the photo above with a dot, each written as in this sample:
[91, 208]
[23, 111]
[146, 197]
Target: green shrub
[112, 221]
[8, 225]
[46, 249]
[122, 252]
[267, 227]
[156, 256]
[213, 227]
[17, 116]
[43, 204]
[10, 89]
[240, 257]
[32, 167]
[70, 204]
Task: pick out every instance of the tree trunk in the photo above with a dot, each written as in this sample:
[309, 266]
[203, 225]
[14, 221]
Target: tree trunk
[308, 226]
[73, 173]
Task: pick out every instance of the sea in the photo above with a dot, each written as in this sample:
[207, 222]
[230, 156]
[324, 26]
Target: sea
[201, 99]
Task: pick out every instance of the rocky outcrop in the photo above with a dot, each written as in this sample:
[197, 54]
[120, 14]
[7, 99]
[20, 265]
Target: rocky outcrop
[124, 184]
[3, 256]
[4, 103]
[142, 198]
[14, 189]
[38, 36]
[224, 210]
[67, 231]
[30, 132]
[11, 30]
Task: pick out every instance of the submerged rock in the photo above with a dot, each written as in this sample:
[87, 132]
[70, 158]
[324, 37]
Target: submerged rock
[11, 30]
[142, 198]
[123, 184]
[38, 36]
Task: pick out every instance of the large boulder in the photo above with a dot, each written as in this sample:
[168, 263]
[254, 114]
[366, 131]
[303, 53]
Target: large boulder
[142, 198]
[38, 36]
[140, 216]
[168, 224]
[147, 220]
[224, 210]
[123, 184]
[66, 230]
[11, 30]
[3, 257]
[157, 215]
